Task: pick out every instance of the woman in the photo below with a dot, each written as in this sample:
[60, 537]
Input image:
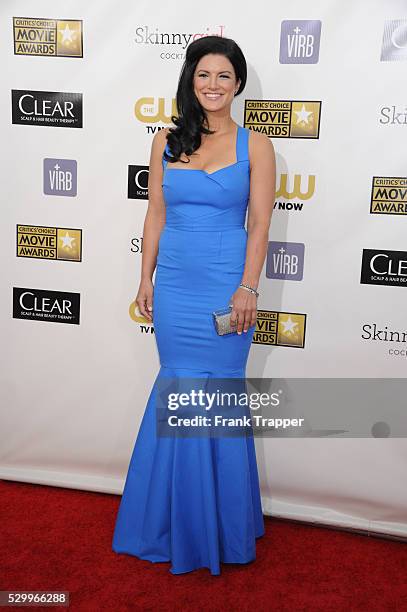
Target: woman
[196, 501]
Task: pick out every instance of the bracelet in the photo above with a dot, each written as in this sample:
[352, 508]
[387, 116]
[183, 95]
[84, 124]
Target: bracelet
[248, 288]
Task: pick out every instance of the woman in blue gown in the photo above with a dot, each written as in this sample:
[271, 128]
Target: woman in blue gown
[195, 501]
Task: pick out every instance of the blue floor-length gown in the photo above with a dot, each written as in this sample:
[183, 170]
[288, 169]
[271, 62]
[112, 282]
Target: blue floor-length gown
[195, 501]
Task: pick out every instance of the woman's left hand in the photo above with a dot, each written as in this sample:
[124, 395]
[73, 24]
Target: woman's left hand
[244, 310]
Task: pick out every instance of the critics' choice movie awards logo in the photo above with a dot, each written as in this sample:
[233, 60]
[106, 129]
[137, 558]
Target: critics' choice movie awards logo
[50, 108]
[300, 41]
[60, 177]
[42, 242]
[283, 118]
[46, 305]
[285, 260]
[137, 182]
[389, 195]
[48, 37]
[384, 267]
[394, 45]
[280, 328]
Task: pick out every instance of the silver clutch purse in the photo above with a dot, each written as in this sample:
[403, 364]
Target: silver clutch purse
[221, 319]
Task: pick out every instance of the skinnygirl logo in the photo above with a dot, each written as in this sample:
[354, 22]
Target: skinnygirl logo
[146, 36]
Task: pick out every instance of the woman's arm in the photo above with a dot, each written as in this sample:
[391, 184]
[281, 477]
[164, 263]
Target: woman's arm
[261, 204]
[153, 224]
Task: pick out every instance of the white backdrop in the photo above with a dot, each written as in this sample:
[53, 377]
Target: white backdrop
[73, 395]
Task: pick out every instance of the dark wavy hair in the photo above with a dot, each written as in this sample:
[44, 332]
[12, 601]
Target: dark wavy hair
[186, 136]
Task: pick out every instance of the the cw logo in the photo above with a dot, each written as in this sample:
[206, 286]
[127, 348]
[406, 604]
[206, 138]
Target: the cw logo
[147, 112]
[136, 316]
[282, 191]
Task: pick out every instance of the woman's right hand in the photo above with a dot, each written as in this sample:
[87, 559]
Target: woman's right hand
[144, 299]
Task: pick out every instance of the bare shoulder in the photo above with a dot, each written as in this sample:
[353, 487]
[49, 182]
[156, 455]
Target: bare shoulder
[260, 145]
[161, 135]
[160, 140]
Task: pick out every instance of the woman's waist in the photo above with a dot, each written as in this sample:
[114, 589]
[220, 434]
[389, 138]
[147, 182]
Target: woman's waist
[198, 226]
[189, 241]
[196, 220]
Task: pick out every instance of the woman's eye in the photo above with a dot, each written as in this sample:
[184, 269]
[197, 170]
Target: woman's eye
[223, 76]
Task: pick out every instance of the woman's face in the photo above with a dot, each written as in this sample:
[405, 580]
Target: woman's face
[215, 82]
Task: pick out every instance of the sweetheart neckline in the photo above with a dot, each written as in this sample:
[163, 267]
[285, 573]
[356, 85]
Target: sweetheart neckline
[238, 132]
[204, 171]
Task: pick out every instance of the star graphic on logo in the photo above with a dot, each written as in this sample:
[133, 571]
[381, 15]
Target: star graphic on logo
[67, 241]
[302, 115]
[67, 34]
[289, 326]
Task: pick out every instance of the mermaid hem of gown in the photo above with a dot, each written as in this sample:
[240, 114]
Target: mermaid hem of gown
[220, 518]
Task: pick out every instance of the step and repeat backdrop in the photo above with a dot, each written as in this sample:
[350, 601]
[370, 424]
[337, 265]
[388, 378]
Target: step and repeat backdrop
[84, 89]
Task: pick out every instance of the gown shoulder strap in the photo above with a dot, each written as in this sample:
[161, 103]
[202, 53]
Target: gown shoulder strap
[242, 143]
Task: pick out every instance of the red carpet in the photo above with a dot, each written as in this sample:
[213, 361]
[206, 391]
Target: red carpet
[54, 538]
